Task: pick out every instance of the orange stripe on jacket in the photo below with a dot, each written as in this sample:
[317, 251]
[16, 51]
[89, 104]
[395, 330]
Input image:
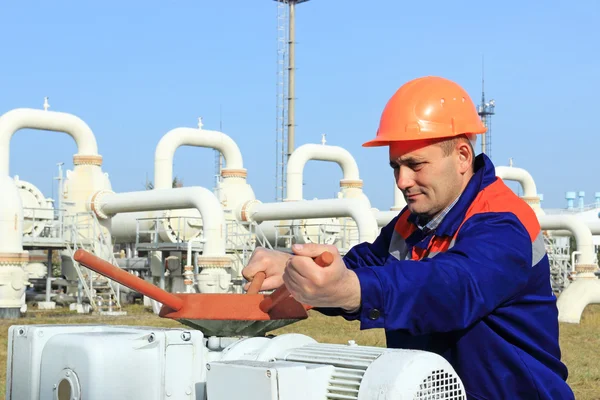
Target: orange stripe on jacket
[498, 197]
[403, 227]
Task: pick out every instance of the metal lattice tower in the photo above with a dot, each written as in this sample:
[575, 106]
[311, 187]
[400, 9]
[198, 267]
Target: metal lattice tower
[285, 101]
[485, 111]
[282, 105]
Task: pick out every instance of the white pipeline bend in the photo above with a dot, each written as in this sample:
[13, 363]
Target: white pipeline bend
[582, 234]
[304, 153]
[573, 300]
[519, 175]
[213, 217]
[357, 209]
[26, 118]
[175, 138]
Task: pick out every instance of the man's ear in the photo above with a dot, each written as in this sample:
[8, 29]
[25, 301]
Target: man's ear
[465, 156]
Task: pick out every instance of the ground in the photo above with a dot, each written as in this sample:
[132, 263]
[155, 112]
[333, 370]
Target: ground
[580, 343]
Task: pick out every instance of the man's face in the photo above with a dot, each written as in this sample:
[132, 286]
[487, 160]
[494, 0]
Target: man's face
[428, 179]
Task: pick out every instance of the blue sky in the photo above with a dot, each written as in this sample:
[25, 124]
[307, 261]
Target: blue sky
[134, 70]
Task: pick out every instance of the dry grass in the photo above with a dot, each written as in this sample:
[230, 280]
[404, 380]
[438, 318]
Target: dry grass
[580, 343]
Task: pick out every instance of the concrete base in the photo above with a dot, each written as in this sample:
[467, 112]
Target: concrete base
[81, 308]
[113, 313]
[46, 305]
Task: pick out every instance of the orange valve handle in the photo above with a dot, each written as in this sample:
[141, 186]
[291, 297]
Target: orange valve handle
[281, 293]
[126, 279]
[256, 283]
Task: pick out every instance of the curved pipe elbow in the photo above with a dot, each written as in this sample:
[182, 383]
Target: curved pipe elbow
[27, 118]
[573, 300]
[205, 201]
[519, 175]
[175, 138]
[581, 232]
[307, 152]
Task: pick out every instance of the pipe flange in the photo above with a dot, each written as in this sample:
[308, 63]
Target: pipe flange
[14, 258]
[214, 262]
[234, 173]
[95, 203]
[532, 201]
[351, 183]
[87, 160]
[244, 213]
[585, 268]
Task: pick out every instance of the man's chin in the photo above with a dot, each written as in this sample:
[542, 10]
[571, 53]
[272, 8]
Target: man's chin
[418, 211]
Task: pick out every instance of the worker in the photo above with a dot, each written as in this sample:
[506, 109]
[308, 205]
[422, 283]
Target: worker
[462, 271]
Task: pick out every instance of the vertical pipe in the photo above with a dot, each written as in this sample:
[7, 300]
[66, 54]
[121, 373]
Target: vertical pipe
[291, 78]
[581, 200]
[49, 276]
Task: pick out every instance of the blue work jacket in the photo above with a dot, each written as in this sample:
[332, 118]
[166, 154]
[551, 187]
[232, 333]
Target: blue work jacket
[475, 290]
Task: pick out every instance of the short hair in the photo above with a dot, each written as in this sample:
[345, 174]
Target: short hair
[449, 145]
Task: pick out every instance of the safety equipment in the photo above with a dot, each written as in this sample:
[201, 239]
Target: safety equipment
[429, 108]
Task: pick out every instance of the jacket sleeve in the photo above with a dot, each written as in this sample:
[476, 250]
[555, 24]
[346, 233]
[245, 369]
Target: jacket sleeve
[489, 264]
[363, 255]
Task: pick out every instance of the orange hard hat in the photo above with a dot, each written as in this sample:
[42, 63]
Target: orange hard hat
[427, 109]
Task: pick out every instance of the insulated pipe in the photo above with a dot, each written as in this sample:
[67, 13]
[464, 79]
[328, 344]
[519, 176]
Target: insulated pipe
[13, 259]
[106, 204]
[573, 300]
[168, 144]
[357, 209]
[593, 226]
[385, 217]
[519, 175]
[582, 234]
[321, 152]
[399, 200]
[26, 118]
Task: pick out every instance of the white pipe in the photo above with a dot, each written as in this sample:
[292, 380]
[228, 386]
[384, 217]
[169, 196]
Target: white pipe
[322, 152]
[385, 217]
[189, 248]
[357, 209]
[399, 200]
[519, 175]
[22, 118]
[213, 217]
[11, 217]
[165, 151]
[13, 276]
[594, 227]
[573, 300]
[125, 226]
[583, 235]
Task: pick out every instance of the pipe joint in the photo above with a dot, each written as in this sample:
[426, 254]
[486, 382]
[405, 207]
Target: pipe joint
[95, 204]
[586, 269]
[532, 201]
[80, 159]
[234, 173]
[351, 183]
[244, 213]
[12, 259]
[214, 262]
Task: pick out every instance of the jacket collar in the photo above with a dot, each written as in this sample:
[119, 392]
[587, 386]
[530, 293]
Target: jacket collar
[485, 175]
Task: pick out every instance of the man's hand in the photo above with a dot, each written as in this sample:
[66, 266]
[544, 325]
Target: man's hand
[331, 286]
[271, 262]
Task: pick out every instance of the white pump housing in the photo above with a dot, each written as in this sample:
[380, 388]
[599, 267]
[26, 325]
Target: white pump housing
[107, 362]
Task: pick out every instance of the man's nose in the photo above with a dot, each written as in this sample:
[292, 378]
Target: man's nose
[404, 178]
